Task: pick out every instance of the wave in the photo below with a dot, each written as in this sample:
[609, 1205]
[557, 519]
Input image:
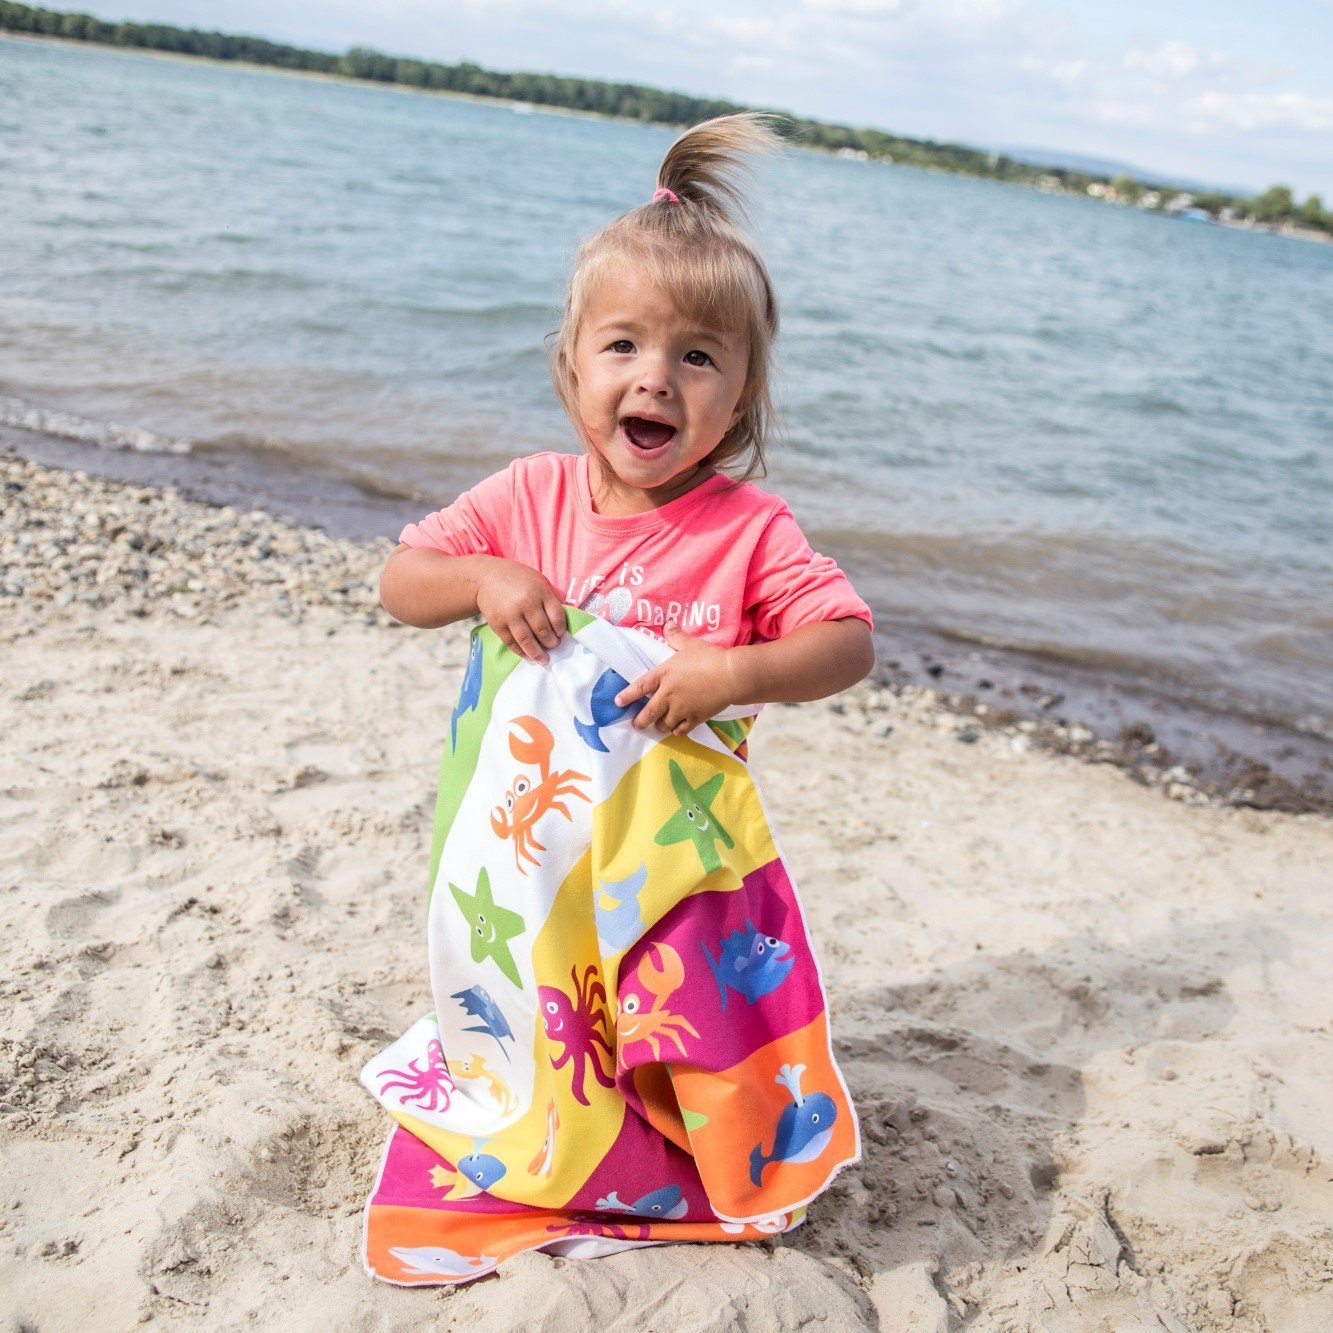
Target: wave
[103, 434]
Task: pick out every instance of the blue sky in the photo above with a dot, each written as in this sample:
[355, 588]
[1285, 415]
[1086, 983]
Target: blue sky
[1222, 90]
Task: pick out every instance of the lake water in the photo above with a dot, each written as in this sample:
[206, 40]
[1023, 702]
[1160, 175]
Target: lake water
[1046, 436]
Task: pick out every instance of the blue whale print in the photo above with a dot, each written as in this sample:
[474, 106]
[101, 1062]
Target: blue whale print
[668, 1202]
[804, 1128]
[481, 1169]
[605, 710]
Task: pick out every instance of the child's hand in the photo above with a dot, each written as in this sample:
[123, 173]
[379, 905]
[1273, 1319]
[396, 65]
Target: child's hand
[522, 608]
[685, 690]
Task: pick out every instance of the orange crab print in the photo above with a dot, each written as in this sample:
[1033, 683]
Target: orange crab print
[531, 742]
[660, 973]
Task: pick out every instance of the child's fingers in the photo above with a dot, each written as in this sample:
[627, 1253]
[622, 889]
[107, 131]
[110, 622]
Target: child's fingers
[540, 625]
[651, 714]
[525, 641]
[555, 614]
[637, 689]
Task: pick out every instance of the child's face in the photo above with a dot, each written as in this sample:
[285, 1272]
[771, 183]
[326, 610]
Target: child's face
[656, 392]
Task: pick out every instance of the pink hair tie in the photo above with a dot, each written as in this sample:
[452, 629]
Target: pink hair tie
[668, 195]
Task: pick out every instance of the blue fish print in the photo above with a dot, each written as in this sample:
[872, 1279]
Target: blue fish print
[605, 710]
[804, 1128]
[620, 925]
[481, 1169]
[750, 963]
[470, 695]
[668, 1202]
[476, 1000]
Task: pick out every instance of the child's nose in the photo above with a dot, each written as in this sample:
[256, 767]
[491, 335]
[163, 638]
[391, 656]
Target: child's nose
[654, 376]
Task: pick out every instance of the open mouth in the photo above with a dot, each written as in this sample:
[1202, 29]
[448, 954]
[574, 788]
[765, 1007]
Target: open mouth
[647, 435]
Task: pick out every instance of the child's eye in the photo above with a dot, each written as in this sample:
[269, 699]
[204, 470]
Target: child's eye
[705, 359]
[622, 345]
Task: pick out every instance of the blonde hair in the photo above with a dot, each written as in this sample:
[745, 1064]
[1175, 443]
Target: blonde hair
[696, 253]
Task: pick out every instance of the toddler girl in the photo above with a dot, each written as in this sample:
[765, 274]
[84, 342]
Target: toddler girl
[633, 996]
[662, 362]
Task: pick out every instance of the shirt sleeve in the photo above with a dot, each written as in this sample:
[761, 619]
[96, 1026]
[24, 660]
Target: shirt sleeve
[789, 585]
[477, 523]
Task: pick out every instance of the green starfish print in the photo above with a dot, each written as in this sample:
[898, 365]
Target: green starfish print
[490, 927]
[695, 819]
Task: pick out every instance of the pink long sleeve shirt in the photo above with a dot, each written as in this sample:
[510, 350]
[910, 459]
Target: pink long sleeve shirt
[727, 563]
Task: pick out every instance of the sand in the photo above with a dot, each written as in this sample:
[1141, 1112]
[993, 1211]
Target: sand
[1087, 1027]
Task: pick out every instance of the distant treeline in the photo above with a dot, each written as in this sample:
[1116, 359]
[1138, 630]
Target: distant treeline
[634, 102]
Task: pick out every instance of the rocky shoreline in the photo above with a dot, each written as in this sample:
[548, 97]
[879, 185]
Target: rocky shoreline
[69, 537]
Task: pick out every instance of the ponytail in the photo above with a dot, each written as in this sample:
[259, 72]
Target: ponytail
[707, 168]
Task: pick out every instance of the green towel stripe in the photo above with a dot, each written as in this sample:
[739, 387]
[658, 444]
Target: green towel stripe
[456, 769]
[577, 619]
[733, 731]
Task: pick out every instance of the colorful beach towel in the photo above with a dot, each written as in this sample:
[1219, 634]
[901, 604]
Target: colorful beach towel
[629, 1044]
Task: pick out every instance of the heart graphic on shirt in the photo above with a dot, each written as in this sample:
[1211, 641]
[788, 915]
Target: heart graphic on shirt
[613, 608]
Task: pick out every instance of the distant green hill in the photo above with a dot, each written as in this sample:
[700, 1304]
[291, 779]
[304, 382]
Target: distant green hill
[629, 101]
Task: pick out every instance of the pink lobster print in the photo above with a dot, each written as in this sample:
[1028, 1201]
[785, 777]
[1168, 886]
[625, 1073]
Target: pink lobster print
[580, 1025]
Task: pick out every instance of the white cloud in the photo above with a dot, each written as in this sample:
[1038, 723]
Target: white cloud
[1176, 60]
[1173, 84]
[863, 8]
[1067, 72]
[1261, 111]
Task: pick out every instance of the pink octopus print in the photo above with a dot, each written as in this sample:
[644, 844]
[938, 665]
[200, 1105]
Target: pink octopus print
[431, 1087]
[580, 1024]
